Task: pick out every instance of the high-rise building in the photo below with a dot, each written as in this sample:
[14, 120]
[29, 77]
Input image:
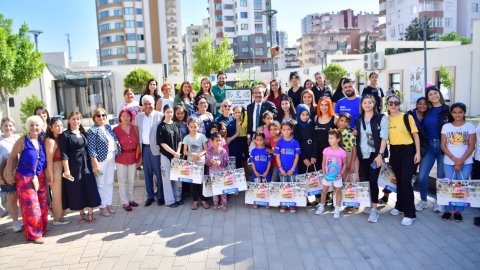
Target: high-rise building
[446, 16]
[140, 32]
[308, 22]
[246, 27]
[194, 33]
[345, 19]
[282, 42]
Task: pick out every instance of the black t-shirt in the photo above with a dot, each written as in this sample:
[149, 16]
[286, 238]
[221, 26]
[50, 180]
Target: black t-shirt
[170, 135]
[296, 96]
[337, 96]
[377, 93]
[321, 92]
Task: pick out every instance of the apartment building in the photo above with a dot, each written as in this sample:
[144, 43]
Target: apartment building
[193, 34]
[140, 32]
[344, 19]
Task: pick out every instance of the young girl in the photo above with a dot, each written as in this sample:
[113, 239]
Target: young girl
[216, 127]
[217, 160]
[274, 128]
[260, 159]
[287, 152]
[267, 119]
[240, 116]
[334, 159]
[180, 117]
[195, 148]
[287, 111]
[304, 133]
[308, 98]
[457, 142]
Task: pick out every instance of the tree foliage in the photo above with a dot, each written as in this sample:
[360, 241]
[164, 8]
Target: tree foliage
[208, 60]
[28, 106]
[454, 36]
[137, 80]
[446, 77]
[334, 72]
[414, 31]
[20, 62]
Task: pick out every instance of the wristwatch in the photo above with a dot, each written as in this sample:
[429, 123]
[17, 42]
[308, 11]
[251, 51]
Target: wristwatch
[381, 154]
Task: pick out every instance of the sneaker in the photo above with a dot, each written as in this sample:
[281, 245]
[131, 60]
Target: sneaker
[293, 210]
[367, 210]
[61, 222]
[438, 208]
[407, 221]
[421, 205]
[457, 216]
[320, 209]
[17, 226]
[282, 210]
[446, 216]
[336, 213]
[373, 217]
[394, 212]
[255, 206]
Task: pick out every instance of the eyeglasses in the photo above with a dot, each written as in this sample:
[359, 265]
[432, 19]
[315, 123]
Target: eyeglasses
[55, 119]
[394, 103]
[227, 106]
[101, 115]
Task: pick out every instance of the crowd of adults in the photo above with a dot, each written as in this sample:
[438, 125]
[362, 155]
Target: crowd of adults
[57, 168]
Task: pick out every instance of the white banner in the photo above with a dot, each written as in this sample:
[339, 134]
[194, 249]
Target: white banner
[313, 181]
[387, 179]
[239, 97]
[186, 171]
[458, 192]
[207, 186]
[288, 194]
[258, 194]
[356, 194]
[229, 182]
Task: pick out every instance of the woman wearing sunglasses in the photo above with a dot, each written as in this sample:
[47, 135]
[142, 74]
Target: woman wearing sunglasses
[103, 145]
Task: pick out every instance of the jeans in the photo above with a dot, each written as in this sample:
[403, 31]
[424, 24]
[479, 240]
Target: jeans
[463, 174]
[287, 178]
[151, 166]
[371, 175]
[434, 153]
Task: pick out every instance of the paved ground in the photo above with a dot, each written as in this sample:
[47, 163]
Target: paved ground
[245, 238]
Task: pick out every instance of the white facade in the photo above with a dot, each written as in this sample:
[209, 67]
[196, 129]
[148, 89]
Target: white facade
[467, 12]
[193, 34]
[307, 23]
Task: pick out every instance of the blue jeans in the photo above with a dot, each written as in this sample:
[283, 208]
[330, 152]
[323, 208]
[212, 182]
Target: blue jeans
[426, 164]
[463, 174]
[287, 178]
[151, 166]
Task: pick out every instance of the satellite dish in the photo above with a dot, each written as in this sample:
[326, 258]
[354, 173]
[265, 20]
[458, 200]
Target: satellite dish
[338, 52]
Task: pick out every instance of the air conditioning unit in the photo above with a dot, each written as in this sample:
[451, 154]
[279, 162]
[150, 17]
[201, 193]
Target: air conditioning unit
[378, 60]
[368, 61]
[306, 71]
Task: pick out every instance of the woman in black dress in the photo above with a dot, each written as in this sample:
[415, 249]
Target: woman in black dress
[324, 121]
[79, 185]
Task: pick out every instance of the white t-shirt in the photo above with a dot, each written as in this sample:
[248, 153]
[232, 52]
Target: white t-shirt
[195, 144]
[457, 141]
[477, 149]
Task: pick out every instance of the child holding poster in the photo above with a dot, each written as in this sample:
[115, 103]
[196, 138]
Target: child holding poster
[287, 152]
[260, 159]
[217, 160]
[274, 128]
[333, 164]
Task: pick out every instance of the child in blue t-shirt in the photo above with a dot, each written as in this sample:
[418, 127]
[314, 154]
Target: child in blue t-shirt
[260, 159]
[287, 152]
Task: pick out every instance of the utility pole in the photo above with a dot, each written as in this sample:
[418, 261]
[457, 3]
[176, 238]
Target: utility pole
[425, 23]
[35, 34]
[269, 13]
[184, 57]
[69, 50]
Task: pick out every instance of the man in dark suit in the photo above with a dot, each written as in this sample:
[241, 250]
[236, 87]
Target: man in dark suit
[256, 109]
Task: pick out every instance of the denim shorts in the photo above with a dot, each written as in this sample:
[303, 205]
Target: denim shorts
[8, 188]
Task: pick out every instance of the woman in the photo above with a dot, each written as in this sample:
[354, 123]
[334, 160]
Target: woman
[43, 113]
[437, 115]
[275, 93]
[308, 84]
[304, 133]
[102, 147]
[126, 162]
[308, 98]
[129, 104]
[30, 180]
[324, 121]
[338, 92]
[79, 186]
[374, 90]
[206, 91]
[167, 99]
[185, 98]
[287, 112]
[241, 118]
[418, 115]
[404, 154]
[170, 142]
[295, 92]
[204, 117]
[7, 140]
[458, 143]
[372, 129]
[150, 89]
[55, 168]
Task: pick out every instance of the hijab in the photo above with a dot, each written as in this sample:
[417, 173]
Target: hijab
[301, 108]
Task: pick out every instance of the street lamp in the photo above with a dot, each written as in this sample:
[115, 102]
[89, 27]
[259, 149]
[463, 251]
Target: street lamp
[425, 23]
[35, 34]
[184, 58]
[269, 13]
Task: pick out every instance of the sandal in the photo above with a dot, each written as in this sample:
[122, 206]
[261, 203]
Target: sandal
[91, 218]
[83, 220]
[205, 205]
[194, 205]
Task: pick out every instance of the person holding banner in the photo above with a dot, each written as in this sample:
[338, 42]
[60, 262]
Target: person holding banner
[404, 154]
[260, 159]
[304, 133]
[217, 160]
[457, 142]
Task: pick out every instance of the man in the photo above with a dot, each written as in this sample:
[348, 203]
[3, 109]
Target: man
[375, 91]
[219, 91]
[147, 123]
[350, 103]
[321, 89]
[256, 109]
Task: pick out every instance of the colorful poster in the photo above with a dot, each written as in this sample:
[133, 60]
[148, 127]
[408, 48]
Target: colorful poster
[258, 194]
[207, 186]
[387, 179]
[458, 192]
[229, 182]
[356, 194]
[186, 171]
[313, 182]
[239, 97]
[417, 84]
[288, 194]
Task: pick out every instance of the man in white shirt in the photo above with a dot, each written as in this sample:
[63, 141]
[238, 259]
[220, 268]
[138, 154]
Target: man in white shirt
[256, 109]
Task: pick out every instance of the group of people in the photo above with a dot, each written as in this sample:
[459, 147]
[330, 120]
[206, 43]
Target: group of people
[346, 135]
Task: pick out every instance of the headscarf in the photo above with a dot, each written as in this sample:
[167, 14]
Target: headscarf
[301, 108]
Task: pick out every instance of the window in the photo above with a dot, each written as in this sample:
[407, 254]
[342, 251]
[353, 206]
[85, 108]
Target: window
[141, 49]
[106, 52]
[117, 12]
[102, 2]
[258, 15]
[258, 39]
[131, 49]
[243, 15]
[413, 10]
[218, 18]
[448, 22]
[228, 18]
[11, 102]
[258, 27]
[118, 25]
[129, 24]
[229, 29]
[128, 10]
[244, 38]
[107, 63]
[218, 6]
[394, 79]
[259, 51]
[132, 61]
[105, 40]
[475, 7]
[139, 24]
[131, 36]
[119, 38]
[244, 26]
[140, 37]
[117, 1]
[104, 27]
[227, 6]
[244, 50]
[139, 11]
[121, 62]
[142, 61]
[104, 14]
[257, 4]
[120, 50]
[243, 3]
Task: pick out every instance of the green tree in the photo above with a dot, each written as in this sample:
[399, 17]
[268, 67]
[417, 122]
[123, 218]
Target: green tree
[208, 60]
[20, 63]
[446, 77]
[334, 72]
[137, 80]
[28, 105]
[454, 36]
[414, 31]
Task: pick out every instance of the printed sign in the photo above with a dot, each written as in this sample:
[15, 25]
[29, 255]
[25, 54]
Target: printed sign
[258, 194]
[387, 179]
[356, 194]
[207, 186]
[229, 182]
[313, 182]
[458, 192]
[186, 171]
[239, 97]
[288, 194]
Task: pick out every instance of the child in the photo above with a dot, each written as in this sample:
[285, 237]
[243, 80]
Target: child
[333, 159]
[217, 160]
[216, 127]
[267, 119]
[261, 160]
[304, 133]
[287, 152]
[180, 117]
[240, 117]
[274, 128]
[195, 147]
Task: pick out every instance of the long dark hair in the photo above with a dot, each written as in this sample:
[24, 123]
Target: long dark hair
[280, 90]
[460, 105]
[191, 94]
[291, 110]
[49, 133]
[433, 88]
[81, 128]
[147, 89]
[175, 109]
[43, 110]
[362, 112]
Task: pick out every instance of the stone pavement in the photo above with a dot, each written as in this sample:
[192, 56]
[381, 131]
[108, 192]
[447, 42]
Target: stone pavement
[159, 237]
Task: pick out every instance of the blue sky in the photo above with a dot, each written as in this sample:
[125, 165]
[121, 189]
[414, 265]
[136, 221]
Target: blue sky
[77, 17]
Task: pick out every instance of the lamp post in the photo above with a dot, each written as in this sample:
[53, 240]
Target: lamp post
[253, 59]
[269, 13]
[425, 23]
[184, 58]
[35, 34]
